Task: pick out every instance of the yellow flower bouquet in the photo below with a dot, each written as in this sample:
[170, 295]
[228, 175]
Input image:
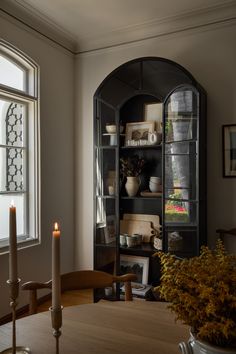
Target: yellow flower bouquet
[202, 293]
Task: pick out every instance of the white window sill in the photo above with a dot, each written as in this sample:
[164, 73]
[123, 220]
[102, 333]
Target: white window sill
[22, 242]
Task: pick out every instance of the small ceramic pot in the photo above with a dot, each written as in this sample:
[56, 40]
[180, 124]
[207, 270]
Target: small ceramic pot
[131, 241]
[123, 241]
[139, 239]
[155, 179]
[154, 187]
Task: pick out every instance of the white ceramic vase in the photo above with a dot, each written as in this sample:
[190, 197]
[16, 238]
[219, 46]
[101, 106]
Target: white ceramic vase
[132, 186]
[195, 346]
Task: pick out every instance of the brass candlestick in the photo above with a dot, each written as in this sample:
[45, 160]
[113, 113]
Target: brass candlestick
[56, 316]
[14, 291]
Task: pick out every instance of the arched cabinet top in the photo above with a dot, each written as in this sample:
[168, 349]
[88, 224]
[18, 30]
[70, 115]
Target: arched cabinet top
[152, 76]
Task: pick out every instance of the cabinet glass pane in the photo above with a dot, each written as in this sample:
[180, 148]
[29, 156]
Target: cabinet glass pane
[177, 211]
[105, 172]
[180, 176]
[106, 128]
[106, 221]
[181, 116]
[182, 243]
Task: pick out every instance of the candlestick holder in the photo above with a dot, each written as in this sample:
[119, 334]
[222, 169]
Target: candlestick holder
[14, 291]
[56, 316]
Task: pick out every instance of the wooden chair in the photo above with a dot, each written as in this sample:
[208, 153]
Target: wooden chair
[223, 232]
[84, 279]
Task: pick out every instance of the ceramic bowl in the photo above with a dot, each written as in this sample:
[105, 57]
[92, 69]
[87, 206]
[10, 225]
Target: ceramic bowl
[155, 180]
[111, 128]
[154, 187]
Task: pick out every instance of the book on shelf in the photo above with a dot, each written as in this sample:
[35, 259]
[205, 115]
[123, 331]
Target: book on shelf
[138, 289]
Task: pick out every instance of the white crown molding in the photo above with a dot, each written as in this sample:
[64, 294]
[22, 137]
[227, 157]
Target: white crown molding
[217, 14]
[189, 20]
[36, 21]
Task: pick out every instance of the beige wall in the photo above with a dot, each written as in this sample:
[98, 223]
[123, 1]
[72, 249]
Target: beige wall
[57, 139]
[210, 55]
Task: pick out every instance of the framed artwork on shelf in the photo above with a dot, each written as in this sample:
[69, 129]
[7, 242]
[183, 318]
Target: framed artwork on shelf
[138, 131]
[153, 112]
[110, 229]
[229, 150]
[137, 265]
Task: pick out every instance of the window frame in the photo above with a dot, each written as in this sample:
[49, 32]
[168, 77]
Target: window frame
[29, 96]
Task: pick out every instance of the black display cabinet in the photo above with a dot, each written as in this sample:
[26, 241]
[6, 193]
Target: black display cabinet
[179, 160]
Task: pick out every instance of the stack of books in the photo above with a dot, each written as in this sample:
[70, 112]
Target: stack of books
[138, 290]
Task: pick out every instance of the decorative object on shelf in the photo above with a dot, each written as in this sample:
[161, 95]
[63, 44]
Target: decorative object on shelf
[148, 225]
[139, 239]
[111, 128]
[111, 182]
[132, 186]
[154, 219]
[229, 150]
[132, 227]
[154, 138]
[136, 265]
[131, 241]
[110, 229]
[13, 281]
[147, 193]
[123, 239]
[155, 184]
[131, 168]
[175, 241]
[138, 131]
[153, 112]
[207, 300]
[139, 290]
[157, 243]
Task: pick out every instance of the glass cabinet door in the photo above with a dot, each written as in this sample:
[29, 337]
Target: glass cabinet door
[181, 164]
[106, 189]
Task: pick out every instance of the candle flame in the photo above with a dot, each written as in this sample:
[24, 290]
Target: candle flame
[12, 203]
[56, 227]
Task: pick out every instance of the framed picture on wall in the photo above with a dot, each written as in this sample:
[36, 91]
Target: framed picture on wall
[229, 150]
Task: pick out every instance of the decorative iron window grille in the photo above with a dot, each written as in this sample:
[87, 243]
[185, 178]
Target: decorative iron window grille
[14, 156]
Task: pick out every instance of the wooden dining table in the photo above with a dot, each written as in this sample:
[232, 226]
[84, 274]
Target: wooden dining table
[102, 328]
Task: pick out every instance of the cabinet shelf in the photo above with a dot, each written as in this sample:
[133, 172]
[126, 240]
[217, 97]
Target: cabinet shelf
[141, 198]
[141, 147]
[145, 247]
[106, 245]
[106, 147]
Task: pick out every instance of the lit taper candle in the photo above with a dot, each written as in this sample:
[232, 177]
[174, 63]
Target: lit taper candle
[12, 244]
[56, 276]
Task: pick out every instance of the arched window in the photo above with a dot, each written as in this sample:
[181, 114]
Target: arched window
[19, 144]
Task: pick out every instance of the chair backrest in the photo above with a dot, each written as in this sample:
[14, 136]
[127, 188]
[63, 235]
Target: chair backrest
[83, 279]
[228, 237]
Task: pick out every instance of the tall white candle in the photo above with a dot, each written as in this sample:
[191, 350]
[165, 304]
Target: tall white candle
[12, 244]
[56, 276]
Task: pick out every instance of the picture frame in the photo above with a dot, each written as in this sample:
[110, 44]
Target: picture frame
[137, 265]
[137, 131]
[229, 150]
[153, 112]
[110, 229]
